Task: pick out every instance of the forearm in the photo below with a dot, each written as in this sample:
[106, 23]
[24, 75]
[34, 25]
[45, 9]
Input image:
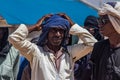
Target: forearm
[18, 40]
[83, 35]
[31, 28]
[19, 34]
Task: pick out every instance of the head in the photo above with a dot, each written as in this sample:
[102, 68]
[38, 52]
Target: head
[54, 31]
[3, 32]
[91, 24]
[109, 20]
[55, 36]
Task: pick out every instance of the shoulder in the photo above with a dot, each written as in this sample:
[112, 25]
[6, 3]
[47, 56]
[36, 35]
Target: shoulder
[102, 42]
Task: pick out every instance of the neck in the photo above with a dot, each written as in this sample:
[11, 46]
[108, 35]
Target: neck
[115, 40]
[54, 48]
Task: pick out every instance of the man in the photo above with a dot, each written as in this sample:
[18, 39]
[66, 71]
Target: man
[51, 59]
[83, 68]
[9, 57]
[106, 54]
[91, 24]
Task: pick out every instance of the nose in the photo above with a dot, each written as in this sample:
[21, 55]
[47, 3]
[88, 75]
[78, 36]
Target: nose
[58, 33]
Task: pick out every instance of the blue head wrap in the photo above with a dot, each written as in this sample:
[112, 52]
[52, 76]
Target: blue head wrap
[54, 21]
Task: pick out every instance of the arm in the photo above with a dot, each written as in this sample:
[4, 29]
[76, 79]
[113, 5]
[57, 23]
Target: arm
[86, 40]
[19, 41]
[66, 17]
[38, 25]
[81, 49]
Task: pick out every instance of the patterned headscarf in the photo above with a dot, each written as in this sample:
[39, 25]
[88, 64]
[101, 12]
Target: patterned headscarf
[52, 22]
[112, 9]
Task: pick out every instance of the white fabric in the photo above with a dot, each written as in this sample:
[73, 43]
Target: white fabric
[113, 14]
[42, 62]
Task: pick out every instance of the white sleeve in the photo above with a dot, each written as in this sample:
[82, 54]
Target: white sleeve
[83, 48]
[19, 41]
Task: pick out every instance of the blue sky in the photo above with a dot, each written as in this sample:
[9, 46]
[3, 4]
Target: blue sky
[29, 11]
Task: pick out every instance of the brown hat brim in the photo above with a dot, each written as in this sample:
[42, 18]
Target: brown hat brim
[5, 25]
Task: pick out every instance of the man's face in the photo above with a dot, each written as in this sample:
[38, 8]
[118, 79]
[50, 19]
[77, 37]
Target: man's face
[105, 26]
[55, 36]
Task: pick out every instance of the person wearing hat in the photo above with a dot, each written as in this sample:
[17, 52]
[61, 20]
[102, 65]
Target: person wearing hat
[51, 58]
[91, 24]
[9, 57]
[106, 54]
[83, 68]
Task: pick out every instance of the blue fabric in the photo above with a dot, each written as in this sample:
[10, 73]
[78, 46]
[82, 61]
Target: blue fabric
[23, 63]
[54, 21]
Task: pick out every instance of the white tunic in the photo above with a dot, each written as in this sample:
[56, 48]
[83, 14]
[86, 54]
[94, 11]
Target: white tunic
[42, 62]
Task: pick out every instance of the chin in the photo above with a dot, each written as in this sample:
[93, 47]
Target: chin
[56, 44]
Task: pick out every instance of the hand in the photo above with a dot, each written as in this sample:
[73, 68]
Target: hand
[38, 25]
[66, 17]
[44, 18]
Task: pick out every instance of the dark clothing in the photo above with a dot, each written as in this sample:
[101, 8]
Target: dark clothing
[98, 35]
[106, 61]
[23, 63]
[26, 74]
[81, 67]
[3, 40]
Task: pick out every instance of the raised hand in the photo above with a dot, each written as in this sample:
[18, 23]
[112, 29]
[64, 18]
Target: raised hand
[44, 18]
[38, 25]
[66, 17]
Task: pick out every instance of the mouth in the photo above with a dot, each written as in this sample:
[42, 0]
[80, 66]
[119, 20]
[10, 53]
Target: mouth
[57, 40]
[101, 31]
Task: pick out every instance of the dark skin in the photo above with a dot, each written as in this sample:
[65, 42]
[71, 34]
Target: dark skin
[108, 30]
[38, 25]
[55, 36]
[51, 40]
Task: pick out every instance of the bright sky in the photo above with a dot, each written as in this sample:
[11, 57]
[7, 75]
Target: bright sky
[97, 3]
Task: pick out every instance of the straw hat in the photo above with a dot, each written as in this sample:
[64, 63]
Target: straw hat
[3, 23]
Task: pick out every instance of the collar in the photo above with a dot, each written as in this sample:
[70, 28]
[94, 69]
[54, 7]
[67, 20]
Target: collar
[51, 51]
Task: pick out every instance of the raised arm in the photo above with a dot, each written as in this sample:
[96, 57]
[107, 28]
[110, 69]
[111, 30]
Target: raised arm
[19, 41]
[81, 49]
[66, 17]
[38, 25]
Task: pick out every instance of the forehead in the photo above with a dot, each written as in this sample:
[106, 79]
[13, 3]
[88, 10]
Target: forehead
[56, 28]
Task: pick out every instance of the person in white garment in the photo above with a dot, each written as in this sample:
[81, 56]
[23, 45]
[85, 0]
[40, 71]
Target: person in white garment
[9, 56]
[50, 58]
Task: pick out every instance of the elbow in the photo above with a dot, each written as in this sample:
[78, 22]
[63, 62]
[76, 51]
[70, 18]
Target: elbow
[91, 43]
[10, 39]
[13, 39]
